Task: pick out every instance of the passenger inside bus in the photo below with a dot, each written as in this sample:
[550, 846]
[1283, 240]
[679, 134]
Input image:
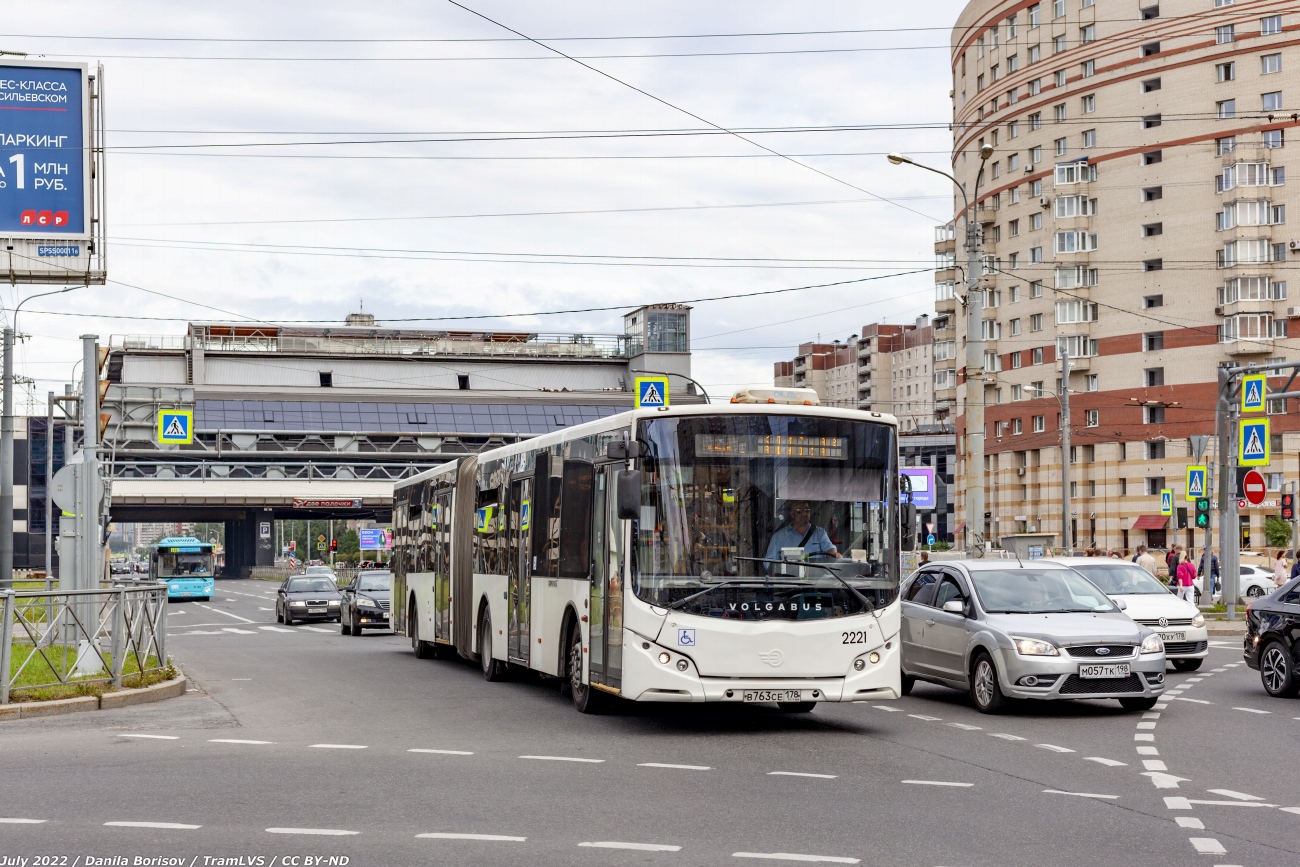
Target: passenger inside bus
[799, 531]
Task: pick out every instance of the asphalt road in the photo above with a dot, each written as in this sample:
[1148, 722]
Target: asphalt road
[299, 742]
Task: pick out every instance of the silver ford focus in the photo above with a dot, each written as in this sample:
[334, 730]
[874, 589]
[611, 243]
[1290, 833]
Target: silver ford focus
[1004, 630]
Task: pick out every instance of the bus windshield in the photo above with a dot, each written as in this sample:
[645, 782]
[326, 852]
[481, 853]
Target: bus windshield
[721, 494]
[184, 565]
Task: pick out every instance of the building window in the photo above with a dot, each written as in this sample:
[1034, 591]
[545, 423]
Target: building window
[1273, 138]
[1013, 62]
[1090, 418]
[1087, 34]
[1035, 121]
[1036, 154]
[1039, 424]
[1038, 354]
[1153, 377]
[1058, 44]
[1036, 220]
[1090, 382]
[1060, 147]
[1153, 264]
[1015, 327]
[1151, 194]
[1155, 484]
[1033, 13]
[1153, 341]
[1013, 162]
[1150, 121]
[1035, 53]
[1017, 427]
[1225, 71]
[1225, 145]
[1059, 112]
[1272, 101]
[1036, 322]
[1149, 12]
[1088, 68]
[1150, 230]
[1036, 289]
[1013, 129]
[1089, 103]
[1149, 49]
[1058, 8]
[1013, 228]
[1155, 450]
[1276, 406]
[1270, 63]
[1150, 158]
[1270, 26]
[1153, 301]
[1089, 138]
[1225, 33]
[1150, 84]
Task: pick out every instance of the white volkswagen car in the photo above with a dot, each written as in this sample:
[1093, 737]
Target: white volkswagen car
[1149, 602]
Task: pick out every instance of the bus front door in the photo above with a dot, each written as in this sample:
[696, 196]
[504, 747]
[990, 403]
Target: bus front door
[518, 570]
[607, 554]
[442, 569]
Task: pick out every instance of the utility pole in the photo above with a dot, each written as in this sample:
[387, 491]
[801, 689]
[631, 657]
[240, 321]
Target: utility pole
[1295, 537]
[49, 481]
[7, 464]
[1067, 540]
[1229, 526]
[90, 560]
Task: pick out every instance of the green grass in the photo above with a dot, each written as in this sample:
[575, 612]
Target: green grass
[39, 681]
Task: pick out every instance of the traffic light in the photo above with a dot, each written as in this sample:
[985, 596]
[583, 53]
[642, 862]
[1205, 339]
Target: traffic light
[1288, 507]
[334, 545]
[1202, 512]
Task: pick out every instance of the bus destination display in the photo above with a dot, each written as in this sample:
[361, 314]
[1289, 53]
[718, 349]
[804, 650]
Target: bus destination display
[770, 446]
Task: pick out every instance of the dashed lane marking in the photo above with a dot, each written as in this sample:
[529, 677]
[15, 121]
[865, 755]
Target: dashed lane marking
[151, 737]
[1154, 765]
[938, 783]
[320, 832]
[488, 838]
[237, 630]
[793, 856]
[1053, 748]
[260, 608]
[1005, 737]
[1221, 669]
[1207, 846]
[563, 759]
[1229, 793]
[1190, 822]
[1146, 725]
[17, 821]
[1081, 794]
[1144, 736]
[799, 774]
[338, 747]
[1151, 715]
[965, 727]
[444, 752]
[274, 628]
[1192, 700]
[924, 718]
[170, 826]
[317, 629]
[1110, 763]
[639, 847]
[1148, 751]
[237, 741]
[1174, 803]
[1251, 710]
[1164, 781]
[677, 767]
[887, 708]
[226, 613]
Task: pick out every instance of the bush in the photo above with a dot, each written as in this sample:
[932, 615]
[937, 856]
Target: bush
[1277, 532]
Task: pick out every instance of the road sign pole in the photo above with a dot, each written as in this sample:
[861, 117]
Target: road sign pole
[1225, 422]
[1292, 487]
[1207, 554]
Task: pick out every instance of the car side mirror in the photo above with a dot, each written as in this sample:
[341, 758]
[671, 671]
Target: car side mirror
[954, 606]
[629, 494]
[1120, 604]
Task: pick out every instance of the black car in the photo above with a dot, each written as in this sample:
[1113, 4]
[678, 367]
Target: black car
[306, 597]
[365, 602]
[1273, 639]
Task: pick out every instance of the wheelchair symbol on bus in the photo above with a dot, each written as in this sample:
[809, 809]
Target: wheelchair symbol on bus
[686, 638]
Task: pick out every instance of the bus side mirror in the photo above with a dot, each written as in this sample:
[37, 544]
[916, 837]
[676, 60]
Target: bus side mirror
[907, 526]
[621, 451]
[629, 494]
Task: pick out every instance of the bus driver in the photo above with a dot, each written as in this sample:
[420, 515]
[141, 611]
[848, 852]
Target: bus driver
[800, 532]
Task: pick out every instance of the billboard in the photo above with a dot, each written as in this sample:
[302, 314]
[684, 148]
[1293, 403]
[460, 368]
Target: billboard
[45, 142]
[376, 539]
[922, 478]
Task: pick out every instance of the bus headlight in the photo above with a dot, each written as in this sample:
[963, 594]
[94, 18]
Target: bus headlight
[665, 657]
[682, 665]
[859, 664]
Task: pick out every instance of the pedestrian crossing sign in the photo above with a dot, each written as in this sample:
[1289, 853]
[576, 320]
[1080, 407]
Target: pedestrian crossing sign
[1166, 502]
[1195, 484]
[651, 392]
[1254, 389]
[1252, 442]
[175, 426]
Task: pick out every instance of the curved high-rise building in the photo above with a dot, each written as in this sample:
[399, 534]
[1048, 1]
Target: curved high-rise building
[1134, 212]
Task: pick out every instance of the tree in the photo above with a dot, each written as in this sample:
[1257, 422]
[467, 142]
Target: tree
[1277, 532]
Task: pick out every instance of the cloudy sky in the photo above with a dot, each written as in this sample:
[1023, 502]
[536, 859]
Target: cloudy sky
[293, 160]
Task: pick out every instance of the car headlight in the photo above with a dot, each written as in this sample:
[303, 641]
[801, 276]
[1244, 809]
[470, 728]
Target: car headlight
[1035, 647]
[1153, 644]
[298, 604]
[366, 603]
[1198, 621]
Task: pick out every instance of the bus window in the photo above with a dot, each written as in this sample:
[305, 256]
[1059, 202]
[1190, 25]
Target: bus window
[575, 520]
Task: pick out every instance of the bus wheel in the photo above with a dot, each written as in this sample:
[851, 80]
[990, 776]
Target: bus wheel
[493, 670]
[420, 648]
[585, 699]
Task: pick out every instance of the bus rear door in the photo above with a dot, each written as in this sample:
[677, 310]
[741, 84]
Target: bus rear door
[607, 556]
[518, 571]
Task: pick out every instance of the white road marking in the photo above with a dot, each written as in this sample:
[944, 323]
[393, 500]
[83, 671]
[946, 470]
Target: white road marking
[791, 856]
[23, 821]
[1221, 669]
[323, 832]
[492, 838]
[174, 826]
[1148, 751]
[275, 629]
[640, 847]
[1189, 822]
[227, 613]
[1192, 700]
[1194, 679]
[1151, 715]
[1053, 748]
[444, 752]
[1110, 763]
[886, 707]
[1141, 736]
[798, 774]
[938, 783]
[317, 629]
[1186, 803]
[241, 678]
[260, 608]
[338, 747]
[1251, 710]
[230, 600]
[1164, 781]
[1005, 737]
[1154, 765]
[678, 767]
[234, 741]
[1146, 725]
[1160, 705]
[1207, 845]
[562, 759]
[965, 727]
[1229, 793]
[1081, 794]
[1295, 810]
[152, 737]
[195, 632]
[924, 718]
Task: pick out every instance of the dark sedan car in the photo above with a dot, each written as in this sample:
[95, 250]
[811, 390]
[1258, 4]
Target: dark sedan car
[365, 602]
[307, 597]
[1273, 639]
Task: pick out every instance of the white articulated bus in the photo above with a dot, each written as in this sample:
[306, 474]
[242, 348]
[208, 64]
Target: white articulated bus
[746, 552]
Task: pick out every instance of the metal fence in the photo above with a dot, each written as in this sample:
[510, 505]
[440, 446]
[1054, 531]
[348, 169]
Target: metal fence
[51, 638]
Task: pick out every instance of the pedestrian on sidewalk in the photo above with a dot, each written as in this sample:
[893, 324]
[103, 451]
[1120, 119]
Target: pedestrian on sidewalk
[1186, 577]
[1280, 575]
[1213, 571]
[1171, 563]
[1145, 560]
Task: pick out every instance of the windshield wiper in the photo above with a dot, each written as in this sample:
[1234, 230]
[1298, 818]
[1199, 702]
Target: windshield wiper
[871, 607]
[740, 582]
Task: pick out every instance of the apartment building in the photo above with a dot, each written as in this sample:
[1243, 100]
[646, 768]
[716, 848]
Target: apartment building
[830, 369]
[1134, 214]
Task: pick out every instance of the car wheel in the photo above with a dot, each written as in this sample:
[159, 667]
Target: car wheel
[985, 690]
[796, 706]
[1186, 664]
[908, 683]
[1277, 670]
[493, 670]
[1143, 703]
[354, 619]
[288, 620]
[344, 627]
[279, 618]
[585, 699]
[1254, 591]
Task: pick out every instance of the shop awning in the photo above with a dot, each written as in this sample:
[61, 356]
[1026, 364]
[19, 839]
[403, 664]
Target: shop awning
[1151, 522]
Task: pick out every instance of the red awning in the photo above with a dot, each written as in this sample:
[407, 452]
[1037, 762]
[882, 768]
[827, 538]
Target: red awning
[1151, 522]
[960, 527]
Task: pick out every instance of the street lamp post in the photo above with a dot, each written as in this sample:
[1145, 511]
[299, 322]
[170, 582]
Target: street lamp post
[974, 353]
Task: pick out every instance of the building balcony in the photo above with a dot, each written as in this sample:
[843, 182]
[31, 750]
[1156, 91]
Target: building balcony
[1249, 346]
[947, 305]
[945, 274]
[1077, 365]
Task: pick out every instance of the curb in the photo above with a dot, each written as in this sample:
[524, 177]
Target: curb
[121, 698]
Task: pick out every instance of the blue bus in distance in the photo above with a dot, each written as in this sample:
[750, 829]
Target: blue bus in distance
[186, 564]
